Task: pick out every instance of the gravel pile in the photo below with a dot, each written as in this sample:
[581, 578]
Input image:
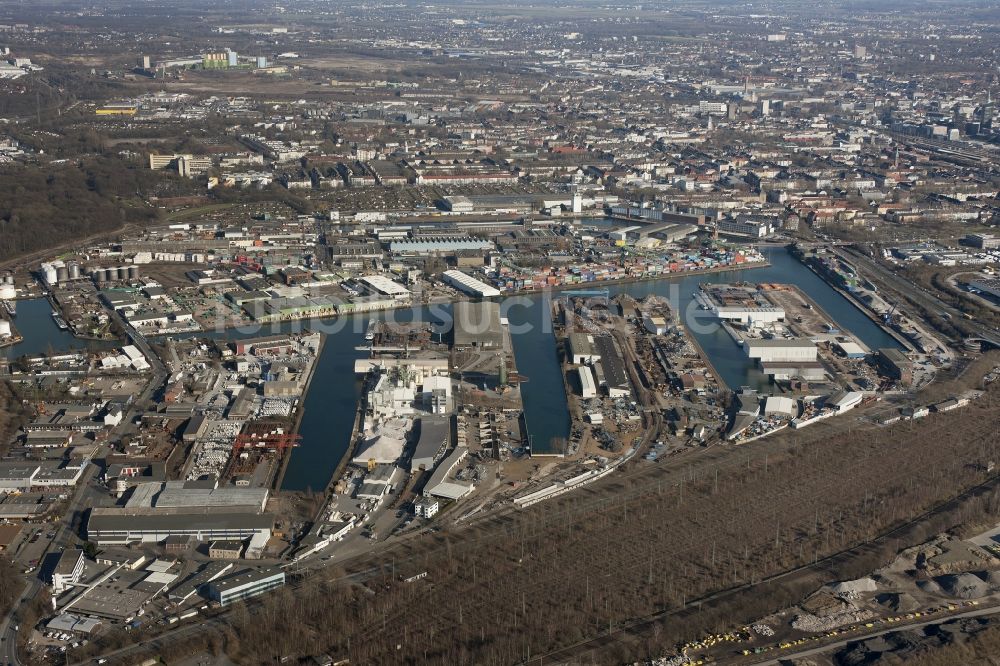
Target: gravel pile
[964, 586]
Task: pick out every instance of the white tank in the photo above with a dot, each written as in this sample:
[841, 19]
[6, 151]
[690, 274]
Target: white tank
[49, 273]
[4, 328]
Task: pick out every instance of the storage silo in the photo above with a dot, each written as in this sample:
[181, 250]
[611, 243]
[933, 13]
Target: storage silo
[8, 279]
[62, 274]
[133, 272]
[74, 271]
[49, 274]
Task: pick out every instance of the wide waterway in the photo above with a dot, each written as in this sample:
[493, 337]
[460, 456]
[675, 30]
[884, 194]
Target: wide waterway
[333, 395]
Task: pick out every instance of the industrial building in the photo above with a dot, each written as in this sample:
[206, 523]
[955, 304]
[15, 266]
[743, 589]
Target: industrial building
[438, 244]
[843, 401]
[610, 371]
[380, 284]
[184, 495]
[745, 305]
[780, 350]
[588, 388]
[245, 584]
[114, 525]
[68, 570]
[470, 285]
[439, 486]
[225, 550]
[477, 325]
[582, 349]
[894, 364]
[433, 437]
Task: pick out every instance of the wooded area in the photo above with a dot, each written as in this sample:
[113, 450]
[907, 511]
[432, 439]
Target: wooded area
[42, 208]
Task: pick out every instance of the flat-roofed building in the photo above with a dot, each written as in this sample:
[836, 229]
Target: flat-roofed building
[225, 550]
[895, 364]
[433, 437]
[477, 325]
[582, 349]
[114, 525]
[380, 284]
[780, 349]
[68, 570]
[244, 584]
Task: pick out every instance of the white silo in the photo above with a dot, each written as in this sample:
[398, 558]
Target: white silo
[49, 274]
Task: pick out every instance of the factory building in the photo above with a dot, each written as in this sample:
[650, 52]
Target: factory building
[468, 284]
[439, 244]
[106, 526]
[894, 364]
[983, 241]
[433, 437]
[245, 584]
[380, 284]
[439, 486]
[581, 349]
[588, 388]
[477, 325]
[780, 350]
[611, 369]
[740, 304]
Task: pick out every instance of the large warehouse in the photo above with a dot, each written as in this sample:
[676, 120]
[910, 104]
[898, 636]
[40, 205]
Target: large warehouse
[107, 526]
[477, 325]
[468, 284]
[433, 438]
[780, 349]
[739, 303]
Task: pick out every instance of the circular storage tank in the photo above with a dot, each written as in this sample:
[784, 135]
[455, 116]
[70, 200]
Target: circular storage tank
[100, 275]
[8, 279]
[62, 274]
[133, 272]
[123, 272]
[49, 274]
[74, 271]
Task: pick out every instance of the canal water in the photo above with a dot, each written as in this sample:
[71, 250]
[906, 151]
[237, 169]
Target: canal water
[334, 393]
[41, 335]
